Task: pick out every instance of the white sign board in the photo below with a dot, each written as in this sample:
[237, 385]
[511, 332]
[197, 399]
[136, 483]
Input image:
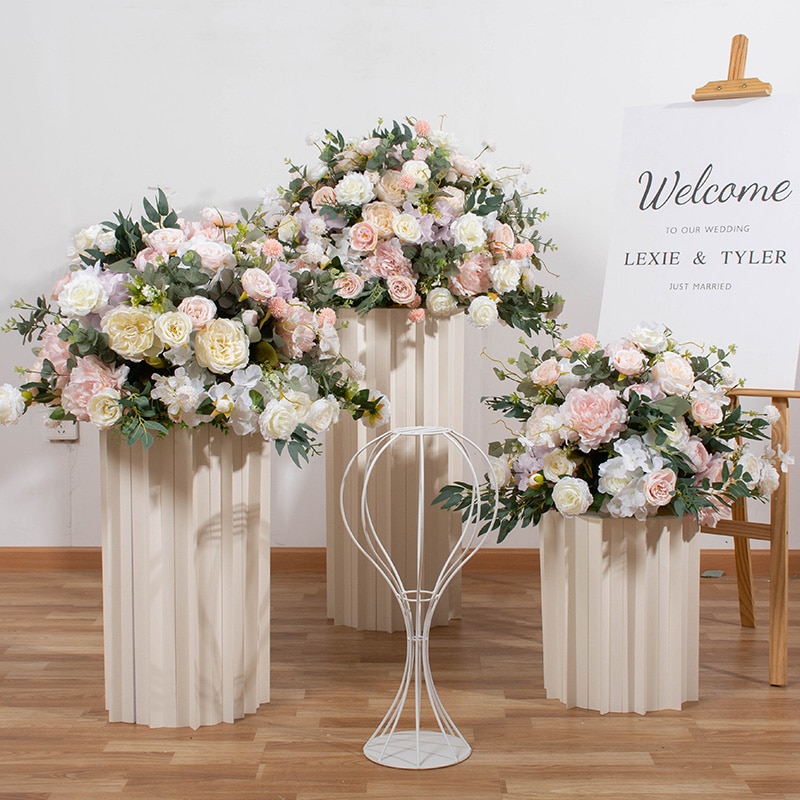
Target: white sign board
[706, 232]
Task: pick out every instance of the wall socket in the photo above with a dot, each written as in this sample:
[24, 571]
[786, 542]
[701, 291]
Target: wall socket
[66, 431]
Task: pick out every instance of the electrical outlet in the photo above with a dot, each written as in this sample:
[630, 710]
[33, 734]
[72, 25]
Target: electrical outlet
[66, 431]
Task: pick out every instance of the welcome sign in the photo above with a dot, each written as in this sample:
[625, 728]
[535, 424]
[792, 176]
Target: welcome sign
[706, 233]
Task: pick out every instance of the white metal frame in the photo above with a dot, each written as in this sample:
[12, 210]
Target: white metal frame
[417, 749]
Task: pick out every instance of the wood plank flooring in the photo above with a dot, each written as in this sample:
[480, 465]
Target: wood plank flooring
[331, 686]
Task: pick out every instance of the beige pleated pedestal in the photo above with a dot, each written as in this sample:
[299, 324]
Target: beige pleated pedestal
[186, 576]
[421, 369]
[620, 612]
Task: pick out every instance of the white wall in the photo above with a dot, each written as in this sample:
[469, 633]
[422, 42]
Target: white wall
[104, 99]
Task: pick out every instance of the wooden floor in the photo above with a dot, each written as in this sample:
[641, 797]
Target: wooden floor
[331, 686]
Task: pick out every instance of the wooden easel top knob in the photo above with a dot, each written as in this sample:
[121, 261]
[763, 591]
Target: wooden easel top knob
[736, 85]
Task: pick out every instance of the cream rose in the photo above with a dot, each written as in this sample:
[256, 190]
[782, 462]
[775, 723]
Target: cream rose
[505, 276]
[468, 231]
[440, 302]
[201, 310]
[501, 471]
[406, 227]
[278, 420]
[83, 294]
[288, 228]
[380, 215]
[673, 374]
[571, 496]
[482, 311]
[354, 189]
[419, 170]
[301, 402]
[556, 464]
[214, 256]
[389, 188]
[322, 414]
[12, 404]
[222, 346]
[165, 240]
[173, 328]
[104, 409]
[258, 284]
[130, 331]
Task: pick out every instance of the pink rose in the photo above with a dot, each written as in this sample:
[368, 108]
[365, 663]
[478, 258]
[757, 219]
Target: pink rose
[218, 217]
[402, 290]
[547, 373]
[628, 361]
[166, 240]
[349, 285]
[673, 374]
[56, 351]
[89, 377]
[258, 285]
[363, 237]
[706, 413]
[696, 452]
[387, 260]
[324, 196]
[502, 239]
[200, 310]
[147, 256]
[712, 471]
[473, 277]
[595, 415]
[297, 329]
[659, 487]
[468, 167]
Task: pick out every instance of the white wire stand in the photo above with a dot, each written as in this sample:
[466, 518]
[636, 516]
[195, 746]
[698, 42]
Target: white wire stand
[417, 748]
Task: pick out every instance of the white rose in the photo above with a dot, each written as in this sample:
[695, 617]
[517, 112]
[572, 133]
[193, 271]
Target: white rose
[288, 228]
[501, 470]
[12, 404]
[505, 276]
[316, 172]
[130, 331]
[752, 465]
[650, 336]
[322, 414]
[173, 328]
[468, 231]
[222, 346]
[301, 402]
[440, 302]
[529, 280]
[482, 311]
[769, 480]
[571, 496]
[556, 464]
[106, 241]
[104, 409]
[673, 375]
[85, 239]
[406, 227]
[443, 139]
[278, 420]
[420, 171]
[354, 189]
[84, 294]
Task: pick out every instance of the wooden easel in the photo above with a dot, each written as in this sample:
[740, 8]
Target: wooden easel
[739, 527]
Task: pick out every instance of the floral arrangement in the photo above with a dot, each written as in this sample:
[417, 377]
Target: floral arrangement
[401, 218]
[638, 427]
[166, 322]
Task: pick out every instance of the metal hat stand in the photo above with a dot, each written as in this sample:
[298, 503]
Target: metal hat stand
[388, 745]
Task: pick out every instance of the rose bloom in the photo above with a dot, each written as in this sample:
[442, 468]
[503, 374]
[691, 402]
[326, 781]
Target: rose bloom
[288, 228]
[543, 427]
[201, 310]
[482, 311]
[12, 404]
[324, 196]
[366, 147]
[501, 470]
[322, 414]
[349, 285]
[419, 170]
[556, 464]
[502, 239]
[467, 167]
[297, 329]
[452, 198]
[222, 346]
[131, 331]
[402, 290]
[659, 486]
[218, 217]
[468, 231]
[173, 328]
[407, 228]
[214, 256]
[440, 303]
[278, 420]
[354, 189]
[628, 361]
[89, 377]
[381, 216]
[650, 336]
[104, 409]
[595, 415]
[696, 452]
[258, 285]
[54, 350]
[388, 259]
[673, 375]
[301, 402]
[165, 240]
[389, 188]
[363, 237]
[473, 277]
[571, 496]
[505, 276]
[83, 294]
[547, 373]
[706, 412]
